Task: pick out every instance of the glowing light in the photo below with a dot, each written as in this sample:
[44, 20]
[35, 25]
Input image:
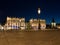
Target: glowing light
[39, 10]
[53, 24]
[22, 28]
[58, 27]
[2, 28]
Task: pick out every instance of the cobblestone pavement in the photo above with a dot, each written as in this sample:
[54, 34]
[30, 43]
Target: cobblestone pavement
[30, 38]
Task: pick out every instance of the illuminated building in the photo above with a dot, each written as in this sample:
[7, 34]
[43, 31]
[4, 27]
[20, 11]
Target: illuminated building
[14, 23]
[42, 24]
[1, 27]
[58, 26]
[53, 24]
[35, 23]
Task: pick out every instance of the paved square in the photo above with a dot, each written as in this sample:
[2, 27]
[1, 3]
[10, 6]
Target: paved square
[30, 38]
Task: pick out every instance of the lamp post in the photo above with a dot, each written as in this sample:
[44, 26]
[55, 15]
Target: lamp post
[39, 11]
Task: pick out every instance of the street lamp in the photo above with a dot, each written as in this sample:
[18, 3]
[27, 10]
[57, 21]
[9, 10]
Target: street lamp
[39, 11]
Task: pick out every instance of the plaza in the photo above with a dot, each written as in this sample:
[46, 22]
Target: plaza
[50, 37]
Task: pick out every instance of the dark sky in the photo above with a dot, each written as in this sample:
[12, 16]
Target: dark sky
[28, 9]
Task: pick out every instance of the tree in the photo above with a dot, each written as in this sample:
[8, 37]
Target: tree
[28, 26]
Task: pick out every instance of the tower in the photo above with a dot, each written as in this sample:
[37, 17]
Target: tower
[53, 23]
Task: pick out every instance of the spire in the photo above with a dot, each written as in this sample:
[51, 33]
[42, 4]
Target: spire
[53, 20]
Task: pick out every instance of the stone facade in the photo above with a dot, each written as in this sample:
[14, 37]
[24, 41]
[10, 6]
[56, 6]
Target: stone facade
[14, 23]
[35, 23]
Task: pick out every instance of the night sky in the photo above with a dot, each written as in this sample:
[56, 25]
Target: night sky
[28, 9]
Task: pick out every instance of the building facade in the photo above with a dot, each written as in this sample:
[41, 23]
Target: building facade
[35, 23]
[53, 24]
[14, 23]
